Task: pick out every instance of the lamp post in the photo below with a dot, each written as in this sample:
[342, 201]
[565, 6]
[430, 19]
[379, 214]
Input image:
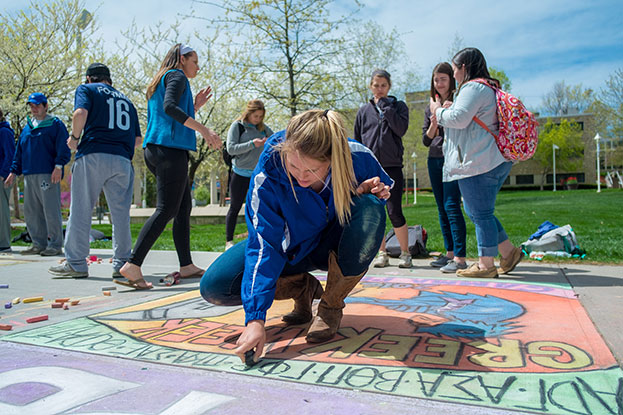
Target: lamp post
[554, 148]
[413, 155]
[597, 138]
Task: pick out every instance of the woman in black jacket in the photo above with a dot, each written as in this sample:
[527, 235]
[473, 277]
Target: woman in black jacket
[380, 125]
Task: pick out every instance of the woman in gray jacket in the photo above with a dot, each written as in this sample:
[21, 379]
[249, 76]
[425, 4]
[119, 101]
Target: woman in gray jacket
[473, 159]
[245, 142]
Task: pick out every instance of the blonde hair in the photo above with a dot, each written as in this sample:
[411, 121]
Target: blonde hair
[321, 135]
[171, 61]
[252, 106]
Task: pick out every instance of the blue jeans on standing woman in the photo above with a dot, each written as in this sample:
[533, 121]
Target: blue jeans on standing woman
[479, 194]
[355, 244]
[448, 198]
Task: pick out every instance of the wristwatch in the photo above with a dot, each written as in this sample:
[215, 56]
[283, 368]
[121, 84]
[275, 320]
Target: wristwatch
[74, 137]
[58, 166]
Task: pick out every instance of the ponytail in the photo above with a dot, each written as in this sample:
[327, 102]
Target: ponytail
[321, 135]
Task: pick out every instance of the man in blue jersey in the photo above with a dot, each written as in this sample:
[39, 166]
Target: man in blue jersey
[105, 131]
[41, 156]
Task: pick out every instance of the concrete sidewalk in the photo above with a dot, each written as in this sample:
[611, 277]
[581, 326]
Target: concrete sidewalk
[129, 385]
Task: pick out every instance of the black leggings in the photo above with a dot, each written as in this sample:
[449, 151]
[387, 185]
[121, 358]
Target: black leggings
[238, 188]
[170, 166]
[394, 203]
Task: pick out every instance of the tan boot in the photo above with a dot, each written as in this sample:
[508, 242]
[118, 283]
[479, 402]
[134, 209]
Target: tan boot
[329, 316]
[303, 288]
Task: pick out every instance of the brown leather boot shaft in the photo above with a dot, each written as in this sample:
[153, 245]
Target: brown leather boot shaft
[327, 321]
[303, 288]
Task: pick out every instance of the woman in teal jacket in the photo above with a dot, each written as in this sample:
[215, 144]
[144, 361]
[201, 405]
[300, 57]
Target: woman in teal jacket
[170, 136]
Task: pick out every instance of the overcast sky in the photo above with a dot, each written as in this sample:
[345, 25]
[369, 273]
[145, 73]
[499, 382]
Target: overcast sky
[536, 42]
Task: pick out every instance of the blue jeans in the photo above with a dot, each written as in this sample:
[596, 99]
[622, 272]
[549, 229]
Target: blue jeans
[448, 198]
[89, 175]
[356, 244]
[479, 193]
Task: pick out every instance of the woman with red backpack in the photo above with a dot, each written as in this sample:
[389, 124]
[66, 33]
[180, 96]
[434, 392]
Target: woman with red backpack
[473, 159]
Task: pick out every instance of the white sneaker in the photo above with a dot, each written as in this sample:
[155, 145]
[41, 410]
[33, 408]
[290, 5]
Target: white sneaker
[229, 244]
[405, 260]
[381, 261]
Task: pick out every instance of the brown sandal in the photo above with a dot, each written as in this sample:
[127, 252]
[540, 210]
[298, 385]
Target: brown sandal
[135, 284]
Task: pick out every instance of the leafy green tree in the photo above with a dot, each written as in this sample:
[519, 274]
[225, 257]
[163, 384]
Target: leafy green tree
[291, 48]
[565, 99]
[369, 47]
[568, 137]
[42, 49]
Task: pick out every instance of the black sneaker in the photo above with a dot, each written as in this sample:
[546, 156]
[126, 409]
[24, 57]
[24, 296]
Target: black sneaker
[65, 270]
[441, 261]
[33, 250]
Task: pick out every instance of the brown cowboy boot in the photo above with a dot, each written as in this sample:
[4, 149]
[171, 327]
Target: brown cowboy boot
[303, 288]
[329, 316]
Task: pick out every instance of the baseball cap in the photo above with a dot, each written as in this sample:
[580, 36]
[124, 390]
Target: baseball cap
[37, 98]
[96, 68]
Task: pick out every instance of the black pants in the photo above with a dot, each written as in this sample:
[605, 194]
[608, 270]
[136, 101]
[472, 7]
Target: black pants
[238, 188]
[394, 203]
[170, 166]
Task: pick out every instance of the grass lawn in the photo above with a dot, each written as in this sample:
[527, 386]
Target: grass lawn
[595, 217]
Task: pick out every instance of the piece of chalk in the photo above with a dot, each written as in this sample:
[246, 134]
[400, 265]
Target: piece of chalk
[248, 358]
[37, 319]
[4, 285]
[75, 302]
[109, 288]
[65, 306]
[6, 327]
[32, 299]
[61, 300]
[8, 305]
[16, 300]
[57, 305]
[106, 293]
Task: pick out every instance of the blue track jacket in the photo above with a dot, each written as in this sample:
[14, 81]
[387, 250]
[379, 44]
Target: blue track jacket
[284, 228]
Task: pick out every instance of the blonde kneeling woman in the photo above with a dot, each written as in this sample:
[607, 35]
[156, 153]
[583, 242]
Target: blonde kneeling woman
[316, 201]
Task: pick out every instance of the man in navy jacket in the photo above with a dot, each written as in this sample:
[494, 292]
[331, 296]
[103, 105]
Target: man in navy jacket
[40, 156]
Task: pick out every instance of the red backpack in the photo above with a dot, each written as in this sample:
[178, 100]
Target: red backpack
[518, 136]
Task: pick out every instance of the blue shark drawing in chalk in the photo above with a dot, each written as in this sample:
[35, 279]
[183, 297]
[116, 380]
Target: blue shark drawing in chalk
[470, 315]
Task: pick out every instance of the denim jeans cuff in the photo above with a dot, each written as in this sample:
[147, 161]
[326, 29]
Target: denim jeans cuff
[488, 251]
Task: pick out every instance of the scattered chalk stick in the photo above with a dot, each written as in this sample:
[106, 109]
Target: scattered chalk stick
[8, 305]
[109, 288]
[65, 306]
[106, 293]
[75, 302]
[4, 285]
[6, 327]
[37, 319]
[61, 300]
[57, 305]
[16, 300]
[32, 299]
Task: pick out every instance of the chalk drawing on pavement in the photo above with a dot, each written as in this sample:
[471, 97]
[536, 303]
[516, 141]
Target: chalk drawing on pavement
[493, 343]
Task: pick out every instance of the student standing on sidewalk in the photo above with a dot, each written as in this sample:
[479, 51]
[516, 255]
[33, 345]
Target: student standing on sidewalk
[171, 127]
[7, 151]
[41, 156]
[105, 124]
[447, 194]
[245, 142]
[316, 201]
[380, 125]
[473, 159]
